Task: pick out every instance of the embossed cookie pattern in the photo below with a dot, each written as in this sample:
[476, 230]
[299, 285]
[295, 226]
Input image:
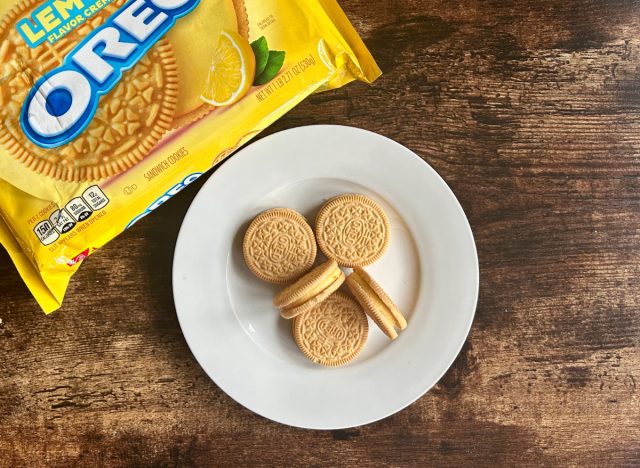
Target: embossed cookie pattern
[353, 230]
[333, 332]
[279, 246]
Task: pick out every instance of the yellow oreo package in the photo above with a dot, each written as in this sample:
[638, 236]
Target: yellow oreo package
[111, 107]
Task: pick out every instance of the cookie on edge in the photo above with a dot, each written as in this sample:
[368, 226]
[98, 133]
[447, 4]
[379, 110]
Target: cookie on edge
[279, 246]
[310, 290]
[333, 332]
[353, 230]
[376, 302]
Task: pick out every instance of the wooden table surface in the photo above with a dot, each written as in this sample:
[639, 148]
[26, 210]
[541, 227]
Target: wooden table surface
[530, 110]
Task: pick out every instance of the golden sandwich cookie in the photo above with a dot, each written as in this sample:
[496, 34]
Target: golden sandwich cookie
[333, 332]
[353, 230]
[310, 290]
[129, 122]
[376, 303]
[279, 246]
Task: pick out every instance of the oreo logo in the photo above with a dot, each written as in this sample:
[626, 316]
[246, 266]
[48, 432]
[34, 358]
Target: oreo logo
[63, 102]
[170, 193]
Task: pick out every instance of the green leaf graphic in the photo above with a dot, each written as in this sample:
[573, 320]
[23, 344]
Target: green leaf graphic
[274, 64]
[261, 51]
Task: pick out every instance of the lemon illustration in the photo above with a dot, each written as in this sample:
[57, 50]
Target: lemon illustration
[232, 70]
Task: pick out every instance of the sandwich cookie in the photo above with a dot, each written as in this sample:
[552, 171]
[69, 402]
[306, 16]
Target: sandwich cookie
[279, 246]
[353, 230]
[376, 303]
[333, 332]
[310, 290]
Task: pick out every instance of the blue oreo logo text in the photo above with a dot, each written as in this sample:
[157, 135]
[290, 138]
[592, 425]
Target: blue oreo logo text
[63, 102]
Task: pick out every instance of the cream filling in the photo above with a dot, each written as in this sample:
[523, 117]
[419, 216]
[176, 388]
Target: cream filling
[375, 299]
[323, 284]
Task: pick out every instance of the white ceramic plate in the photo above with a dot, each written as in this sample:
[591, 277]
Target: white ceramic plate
[430, 270]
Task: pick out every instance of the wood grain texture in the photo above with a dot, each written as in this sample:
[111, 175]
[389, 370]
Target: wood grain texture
[530, 110]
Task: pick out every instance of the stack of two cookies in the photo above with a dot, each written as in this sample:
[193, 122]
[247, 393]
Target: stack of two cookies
[352, 231]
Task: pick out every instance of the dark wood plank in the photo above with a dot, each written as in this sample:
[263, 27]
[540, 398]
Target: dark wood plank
[531, 112]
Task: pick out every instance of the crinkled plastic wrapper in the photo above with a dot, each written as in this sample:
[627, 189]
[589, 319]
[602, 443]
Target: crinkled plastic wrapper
[110, 107]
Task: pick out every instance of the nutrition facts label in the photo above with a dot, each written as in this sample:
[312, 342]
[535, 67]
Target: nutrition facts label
[75, 211]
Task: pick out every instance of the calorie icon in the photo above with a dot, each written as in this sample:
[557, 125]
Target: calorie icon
[46, 233]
